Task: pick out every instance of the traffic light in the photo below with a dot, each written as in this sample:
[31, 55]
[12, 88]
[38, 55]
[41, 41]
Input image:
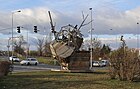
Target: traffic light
[18, 29]
[35, 29]
[121, 38]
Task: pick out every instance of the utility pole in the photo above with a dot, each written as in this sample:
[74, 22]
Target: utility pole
[8, 46]
[91, 45]
[138, 37]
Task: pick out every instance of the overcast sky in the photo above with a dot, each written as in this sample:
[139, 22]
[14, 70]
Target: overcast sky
[121, 16]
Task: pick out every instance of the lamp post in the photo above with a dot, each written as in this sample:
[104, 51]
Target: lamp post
[123, 45]
[8, 46]
[138, 37]
[13, 30]
[91, 45]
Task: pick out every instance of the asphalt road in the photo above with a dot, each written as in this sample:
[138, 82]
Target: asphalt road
[39, 67]
[42, 67]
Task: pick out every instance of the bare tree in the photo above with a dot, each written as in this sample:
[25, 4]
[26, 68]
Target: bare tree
[125, 64]
[18, 48]
[40, 43]
[46, 48]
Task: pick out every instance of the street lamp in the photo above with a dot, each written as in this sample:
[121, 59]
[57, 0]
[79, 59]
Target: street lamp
[138, 37]
[91, 47]
[8, 46]
[123, 45]
[13, 29]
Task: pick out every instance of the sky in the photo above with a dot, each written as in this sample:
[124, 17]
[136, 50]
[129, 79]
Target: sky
[111, 19]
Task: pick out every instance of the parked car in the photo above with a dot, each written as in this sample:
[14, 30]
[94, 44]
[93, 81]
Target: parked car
[97, 64]
[14, 59]
[105, 62]
[29, 61]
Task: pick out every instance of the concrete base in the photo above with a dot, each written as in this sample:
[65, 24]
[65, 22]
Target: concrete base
[73, 71]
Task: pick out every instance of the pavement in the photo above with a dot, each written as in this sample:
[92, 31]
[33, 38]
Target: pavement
[39, 67]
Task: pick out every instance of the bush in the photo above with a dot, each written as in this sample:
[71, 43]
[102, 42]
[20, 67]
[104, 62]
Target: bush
[125, 65]
[4, 68]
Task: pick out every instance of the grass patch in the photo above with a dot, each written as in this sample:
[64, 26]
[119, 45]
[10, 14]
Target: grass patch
[56, 80]
[47, 60]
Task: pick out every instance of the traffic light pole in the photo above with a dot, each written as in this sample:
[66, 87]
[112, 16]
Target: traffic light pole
[12, 36]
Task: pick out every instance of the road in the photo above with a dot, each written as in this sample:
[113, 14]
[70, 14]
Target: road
[39, 67]
[42, 67]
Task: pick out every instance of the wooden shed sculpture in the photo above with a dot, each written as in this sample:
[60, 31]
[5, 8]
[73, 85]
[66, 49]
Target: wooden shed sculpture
[65, 47]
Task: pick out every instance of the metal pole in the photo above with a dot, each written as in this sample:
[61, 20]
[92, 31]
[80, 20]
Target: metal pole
[8, 48]
[91, 47]
[12, 36]
[27, 45]
[13, 33]
[116, 42]
[138, 37]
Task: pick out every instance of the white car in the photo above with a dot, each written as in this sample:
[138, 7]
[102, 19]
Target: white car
[105, 62]
[97, 64]
[29, 61]
[14, 59]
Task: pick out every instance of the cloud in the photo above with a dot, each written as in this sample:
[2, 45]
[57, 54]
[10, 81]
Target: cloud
[27, 18]
[122, 22]
[38, 15]
[105, 18]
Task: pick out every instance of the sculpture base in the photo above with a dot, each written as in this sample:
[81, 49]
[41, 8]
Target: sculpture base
[73, 71]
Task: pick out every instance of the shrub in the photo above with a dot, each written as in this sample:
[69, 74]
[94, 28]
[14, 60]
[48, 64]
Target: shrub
[4, 68]
[125, 65]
